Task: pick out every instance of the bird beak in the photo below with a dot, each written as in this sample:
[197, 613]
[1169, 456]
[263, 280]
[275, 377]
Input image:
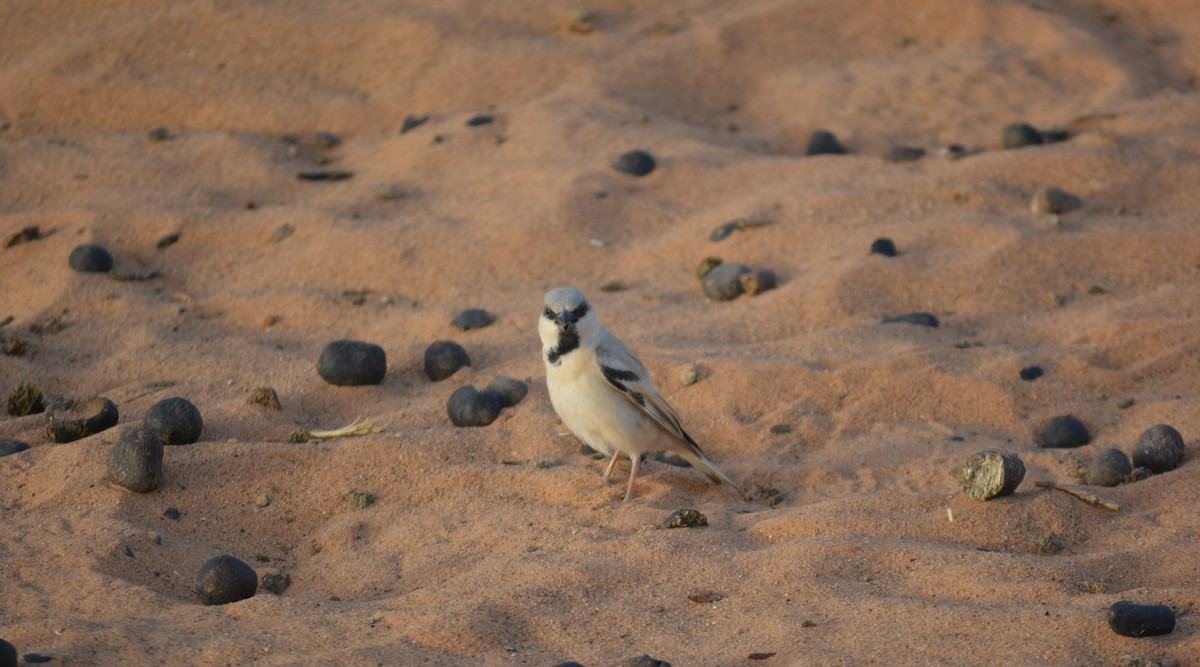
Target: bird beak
[565, 320]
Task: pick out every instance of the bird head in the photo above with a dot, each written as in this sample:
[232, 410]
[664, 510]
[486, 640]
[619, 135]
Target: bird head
[566, 313]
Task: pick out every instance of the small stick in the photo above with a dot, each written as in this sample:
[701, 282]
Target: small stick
[356, 427]
[1081, 494]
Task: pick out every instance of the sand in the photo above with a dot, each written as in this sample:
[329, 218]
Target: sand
[502, 545]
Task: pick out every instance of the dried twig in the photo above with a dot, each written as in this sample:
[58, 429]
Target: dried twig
[1081, 494]
[356, 427]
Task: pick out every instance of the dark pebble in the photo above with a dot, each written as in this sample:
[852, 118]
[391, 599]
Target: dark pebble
[360, 500]
[1140, 620]
[904, 154]
[635, 163]
[225, 579]
[469, 407]
[266, 397]
[8, 654]
[324, 175]
[413, 122]
[171, 513]
[9, 447]
[443, 358]
[686, 518]
[722, 232]
[1052, 200]
[135, 462]
[1019, 135]
[823, 142]
[757, 281]
[883, 246]
[168, 240]
[349, 363]
[569, 663]
[276, 583]
[990, 474]
[510, 391]
[1159, 450]
[642, 661]
[1031, 373]
[480, 119]
[175, 420]
[1109, 468]
[1064, 432]
[25, 400]
[285, 230]
[158, 134]
[72, 420]
[24, 235]
[723, 282]
[36, 658]
[473, 318]
[90, 258]
[920, 319]
[326, 140]
[1054, 135]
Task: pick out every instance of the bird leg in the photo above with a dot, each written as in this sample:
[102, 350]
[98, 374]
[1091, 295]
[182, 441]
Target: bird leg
[611, 464]
[633, 468]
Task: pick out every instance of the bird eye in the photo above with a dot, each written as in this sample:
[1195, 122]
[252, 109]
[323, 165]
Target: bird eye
[548, 313]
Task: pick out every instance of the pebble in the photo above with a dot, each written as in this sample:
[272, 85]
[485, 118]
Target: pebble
[723, 282]
[705, 597]
[90, 258]
[920, 319]
[990, 474]
[883, 246]
[1031, 373]
[266, 397]
[642, 661]
[1064, 432]
[443, 358]
[480, 119]
[473, 318]
[904, 154]
[686, 518]
[135, 462]
[175, 420]
[706, 266]
[72, 420]
[8, 654]
[413, 122]
[276, 583]
[168, 240]
[1052, 200]
[569, 663]
[9, 447]
[285, 230]
[225, 579]
[1053, 135]
[823, 142]
[691, 374]
[158, 134]
[635, 163]
[172, 513]
[1140, 620]
[25, 400]
[470, 407]
[1109, 468]
[350, 363]
[1159, 449]
[326, 140]
[723, 231]
[324, 175]
[510, 391]
[758, 281]
[360, 500]
[1019, 135]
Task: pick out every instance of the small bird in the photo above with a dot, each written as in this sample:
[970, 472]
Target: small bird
[604, 394]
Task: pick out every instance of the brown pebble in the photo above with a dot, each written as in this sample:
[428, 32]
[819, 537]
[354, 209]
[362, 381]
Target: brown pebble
[269, 321]
[989, 474]
[266, 397]
[262, 500]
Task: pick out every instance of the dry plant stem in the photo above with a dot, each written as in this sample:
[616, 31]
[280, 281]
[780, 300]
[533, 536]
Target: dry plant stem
[1082, 495]
[356, 427]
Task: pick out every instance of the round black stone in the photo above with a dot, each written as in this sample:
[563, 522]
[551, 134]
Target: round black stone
[921, 319]
[1019, 135]
[510, 391]
[443, 358]
[635, 163]
[71, 420]
[724, 281]
[1064, 432]
[1031, 373]
[175, 420]
[883, 246]
[473, 318]
[469, 407]
[8, 447]
[135, 462]
[90, 258]
[1160, 449]
[1110, 468]
[349, 363]
[172, 513]
[8, 654]
[480, 119]
[904, 154]
[823, 142]
[225, 579]
[1140, 620]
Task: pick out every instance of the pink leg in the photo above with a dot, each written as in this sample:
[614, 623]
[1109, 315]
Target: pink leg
[633, 468]
[611, 464]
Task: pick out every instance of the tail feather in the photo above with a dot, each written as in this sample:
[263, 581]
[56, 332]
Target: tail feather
[700, 462]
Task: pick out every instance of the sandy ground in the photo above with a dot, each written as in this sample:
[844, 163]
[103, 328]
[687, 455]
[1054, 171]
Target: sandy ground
[478, 549]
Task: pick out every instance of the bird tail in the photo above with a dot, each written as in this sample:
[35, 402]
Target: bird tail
[700, 462]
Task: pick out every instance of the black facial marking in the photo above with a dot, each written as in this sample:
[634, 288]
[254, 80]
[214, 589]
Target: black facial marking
[580, 310]
[568, 341]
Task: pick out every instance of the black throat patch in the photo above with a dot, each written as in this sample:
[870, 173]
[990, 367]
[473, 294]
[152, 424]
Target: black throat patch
[568, 341]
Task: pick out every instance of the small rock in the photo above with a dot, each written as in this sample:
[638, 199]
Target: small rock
[705, 597]
[686, 518]
[326, 140]
[10, 447]
[324, 175]
[360, 500]
[722, 232]
[24, 235]
[1054, 135]
[1140, 620]
[990, 474]
[1064, 432]
[391, 192]
[469, 407]
[1052, 200]
[1051, 543]
[510, 391]
[635, 163]
[135, 461]
[723, 282]
[642, 661]
[262, 501]
[1109, 468]
[1019, 135]
[90, 258]
[691, 374]
[883, 246]
[266, 397]
[480, 119]
[904, 154]
[225, 579]
[1159, 449]
[823, 142]
[779, 429]
[285, 230]
[473, 318]
[569, 663]
[25, 400]
[920, 319]
[276, 583]
[1031, 373]
[168, 240]
[158, 134]
[71, 420]
[706, 266]
[614, 286]
[443, 358]
[580, 23]
[8, 654]
[171, 513]
[175, 420]
[36, 658]
[350, 363]
[757, 281]
[413, 122]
